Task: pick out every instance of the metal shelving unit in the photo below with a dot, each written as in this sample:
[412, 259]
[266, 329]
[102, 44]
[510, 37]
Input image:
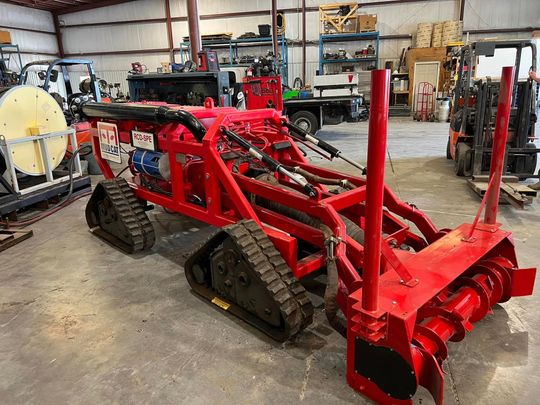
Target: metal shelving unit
[6, 51]
[361, 37]
[233, 45]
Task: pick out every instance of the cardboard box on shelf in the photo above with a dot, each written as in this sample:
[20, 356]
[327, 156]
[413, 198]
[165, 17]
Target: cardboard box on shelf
[367, 22]
[5, 37]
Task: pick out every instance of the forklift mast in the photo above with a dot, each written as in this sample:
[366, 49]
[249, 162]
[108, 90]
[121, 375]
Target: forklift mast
[473, 113]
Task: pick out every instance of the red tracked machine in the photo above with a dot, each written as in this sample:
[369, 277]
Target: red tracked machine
[397, 296]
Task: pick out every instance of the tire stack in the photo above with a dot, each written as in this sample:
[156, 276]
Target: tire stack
[436, 36]
[423, 35]
[452, 31]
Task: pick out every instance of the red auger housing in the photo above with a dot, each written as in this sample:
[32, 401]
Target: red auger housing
[403, 295]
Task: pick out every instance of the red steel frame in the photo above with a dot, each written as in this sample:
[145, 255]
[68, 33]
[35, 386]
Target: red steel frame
[500, 137]
[405, 302]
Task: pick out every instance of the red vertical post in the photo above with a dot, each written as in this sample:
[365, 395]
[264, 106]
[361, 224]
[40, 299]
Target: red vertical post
[378, 125]
[500, 137]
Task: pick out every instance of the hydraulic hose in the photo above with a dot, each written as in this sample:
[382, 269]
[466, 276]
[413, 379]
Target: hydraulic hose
[331, 307]
[268, 160]
[149, 113]
[322, 180]
[334, 152]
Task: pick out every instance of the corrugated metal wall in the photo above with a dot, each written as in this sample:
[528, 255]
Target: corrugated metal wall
[393, 19]
[37, 43]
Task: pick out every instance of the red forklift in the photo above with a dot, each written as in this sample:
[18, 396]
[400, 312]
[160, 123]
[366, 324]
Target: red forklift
[473, 111]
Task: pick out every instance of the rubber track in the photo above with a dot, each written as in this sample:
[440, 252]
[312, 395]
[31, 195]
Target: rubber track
[264, 259]
[130, 213]
[137, 208]
[297, 290]
[253, 247]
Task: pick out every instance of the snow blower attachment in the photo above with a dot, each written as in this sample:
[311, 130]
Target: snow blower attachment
[397, 296]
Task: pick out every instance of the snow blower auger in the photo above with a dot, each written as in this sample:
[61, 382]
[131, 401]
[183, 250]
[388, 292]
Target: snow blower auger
[397, 296]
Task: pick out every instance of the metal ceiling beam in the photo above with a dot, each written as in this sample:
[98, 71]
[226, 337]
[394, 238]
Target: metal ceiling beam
[27, 29]
[502, 30]
[120, 22]
[38, 53]
[230, 15]
[123, 52]
[64, 6]
[166, 50]
[41, 5]
[90, 6]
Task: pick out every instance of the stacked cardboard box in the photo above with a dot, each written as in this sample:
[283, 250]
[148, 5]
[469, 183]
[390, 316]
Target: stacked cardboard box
[452, 32]
[366, 23]
[423, 35]
[436, 37]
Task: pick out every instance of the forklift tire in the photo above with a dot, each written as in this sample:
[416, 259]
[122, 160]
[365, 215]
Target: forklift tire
[448, 154]
[305, 120]
[460, 162]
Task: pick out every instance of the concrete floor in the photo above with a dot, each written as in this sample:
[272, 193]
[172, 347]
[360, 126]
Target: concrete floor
[82, 323]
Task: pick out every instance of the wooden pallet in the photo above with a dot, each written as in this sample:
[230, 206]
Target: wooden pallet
[10, 237]
[512, 192]
[331, 22]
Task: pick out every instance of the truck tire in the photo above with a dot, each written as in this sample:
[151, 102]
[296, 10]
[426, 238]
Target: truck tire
[333, 119]
[461, 166]
[305, 120]
[333, 115]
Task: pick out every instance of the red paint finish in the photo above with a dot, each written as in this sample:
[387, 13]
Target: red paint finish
[378, 124]
[410, 301]
[499, 143]
[263, 92]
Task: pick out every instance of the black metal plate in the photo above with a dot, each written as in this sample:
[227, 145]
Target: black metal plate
[386, 368]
